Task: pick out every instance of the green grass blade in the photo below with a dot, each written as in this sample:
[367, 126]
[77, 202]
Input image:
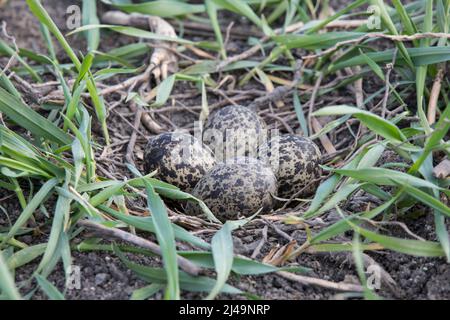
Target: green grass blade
[421, 71]
[62, 211]
[164, 9]
[147, 224]
[375, 123]
[337, 15]
[222, 249]
[6, 84]
[146, 292]
[9, 51]
[26, 255]
[382, 176]
[164, 90]
[29, 119]
[7, 281]
[408, 24]
[425, 198]
[211, 9]
[359, 263]
[441, 129]
[84, 69]
[166, 239]
[300, 114]
[43, 16]
[343, 226]
[316, 41]
[327, 187]
[133, 32]
[392, 29]
[442, 233]
[411, 247]
[419, 56]
[340, 195]
[373, 65]
[26, 214]
[180, 195]
[48, 288]
[38, 10]
[187, 282]
[240, 7]
[90, 17]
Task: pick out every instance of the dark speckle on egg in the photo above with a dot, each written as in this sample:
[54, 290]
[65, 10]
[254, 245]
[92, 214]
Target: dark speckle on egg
[239, 187]
[179, 158]
[295, 161]
[234, 131]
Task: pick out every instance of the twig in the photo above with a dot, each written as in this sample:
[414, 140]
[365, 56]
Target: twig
[136, 129]
[339, 286]
[279, 92]
[394, 223]
[298, 193]
[261, 243]
[185, 264]
[148, 122]
[16, 49]
[283, 122]
[242, 56]
[130, 148]
[227, 35]
[131, 82]
[278, 230]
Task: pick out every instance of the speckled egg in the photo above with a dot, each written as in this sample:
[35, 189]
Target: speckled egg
[238, 188]
[180, 159]
[234, 131]
[295, 161]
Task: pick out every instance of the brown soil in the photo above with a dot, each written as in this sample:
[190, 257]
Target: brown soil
[105, 277]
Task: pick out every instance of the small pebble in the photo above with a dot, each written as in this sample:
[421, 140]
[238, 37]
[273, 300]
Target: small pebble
[100, 278]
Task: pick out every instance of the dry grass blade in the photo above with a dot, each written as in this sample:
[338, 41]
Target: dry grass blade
[338, 286]
[434, 95]
[442, 170]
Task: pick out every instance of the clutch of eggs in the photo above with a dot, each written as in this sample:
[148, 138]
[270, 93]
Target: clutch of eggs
[235, 169]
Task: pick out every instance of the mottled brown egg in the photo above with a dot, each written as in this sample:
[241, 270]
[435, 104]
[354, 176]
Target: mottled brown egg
[238, 188]
[180, 159]
[295, 161]
[234, 131]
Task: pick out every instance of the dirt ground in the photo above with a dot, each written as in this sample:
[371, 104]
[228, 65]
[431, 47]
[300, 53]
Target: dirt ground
[103, 276]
